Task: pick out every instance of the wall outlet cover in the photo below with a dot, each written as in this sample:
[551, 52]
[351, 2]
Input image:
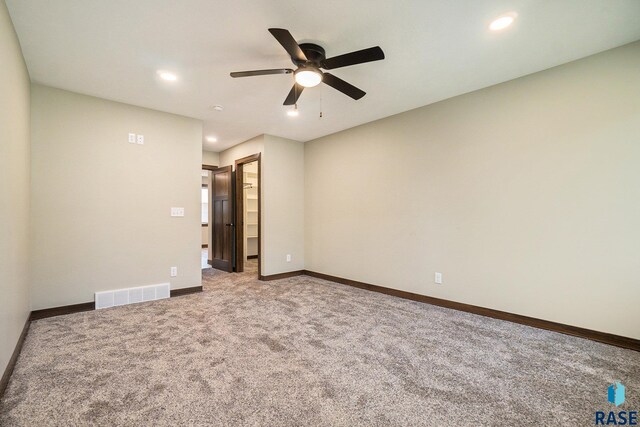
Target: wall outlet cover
[177, 211]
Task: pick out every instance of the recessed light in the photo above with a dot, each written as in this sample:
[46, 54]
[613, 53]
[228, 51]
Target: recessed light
[217, 107]
[212, 139]
[165, 75]
[502, 22]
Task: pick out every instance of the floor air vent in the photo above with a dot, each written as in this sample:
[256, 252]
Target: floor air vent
[126, 296]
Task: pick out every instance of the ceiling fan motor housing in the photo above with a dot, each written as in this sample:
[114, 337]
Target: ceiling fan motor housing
[315, 55]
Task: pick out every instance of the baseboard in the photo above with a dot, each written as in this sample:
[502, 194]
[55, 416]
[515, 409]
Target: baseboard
[185, 291]
[603, 337]
[14, 357]
[252, 256]
[59, 311]
[204, 246]
[281, 275]
[89, 306]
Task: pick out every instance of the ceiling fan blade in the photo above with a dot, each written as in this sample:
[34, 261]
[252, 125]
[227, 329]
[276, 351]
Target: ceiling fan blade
[287, 41]
[344, 87]
[294, 94]
[261, 72]
[353, 58]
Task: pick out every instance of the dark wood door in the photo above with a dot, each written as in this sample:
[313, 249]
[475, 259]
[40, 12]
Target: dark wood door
[222, 227]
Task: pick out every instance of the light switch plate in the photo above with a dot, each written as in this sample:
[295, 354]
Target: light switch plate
[132, 138]
[140, 139]
[177, 211]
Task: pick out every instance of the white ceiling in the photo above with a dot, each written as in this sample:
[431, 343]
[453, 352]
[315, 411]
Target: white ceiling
[435, 49]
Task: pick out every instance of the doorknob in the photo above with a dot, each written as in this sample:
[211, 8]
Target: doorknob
[229, 225]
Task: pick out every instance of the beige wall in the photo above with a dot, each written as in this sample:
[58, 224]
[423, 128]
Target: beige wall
[525, 195]
[210, 158]
[14, 189]
[101, 206]
[247, 148]
[283, 192]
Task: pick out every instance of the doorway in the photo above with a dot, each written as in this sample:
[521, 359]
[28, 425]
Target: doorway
[248, 215]
[206, 216]
[204, 219]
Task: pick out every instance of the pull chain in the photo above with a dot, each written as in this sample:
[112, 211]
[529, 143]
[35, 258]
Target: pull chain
[320, 101]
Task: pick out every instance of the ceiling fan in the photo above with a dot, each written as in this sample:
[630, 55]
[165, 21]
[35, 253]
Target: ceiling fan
[309, 58]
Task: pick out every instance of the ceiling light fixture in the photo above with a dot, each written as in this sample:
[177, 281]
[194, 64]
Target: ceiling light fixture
[502, 22]
[165, 75]
[217, 107]
[212, 139]
[308, 76]
[294, 112]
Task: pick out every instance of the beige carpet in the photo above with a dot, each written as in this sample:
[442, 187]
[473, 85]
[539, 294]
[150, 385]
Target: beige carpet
[305, 352]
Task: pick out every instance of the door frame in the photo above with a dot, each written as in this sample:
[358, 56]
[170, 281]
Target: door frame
[210, 239]
[240, 211]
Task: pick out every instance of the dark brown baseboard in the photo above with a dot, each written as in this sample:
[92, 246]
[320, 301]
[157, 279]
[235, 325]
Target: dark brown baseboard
[14, 357]
[205, 246]
[281, 275]
[252, 256]
[210, 262]
[185, 291]
[603, 337]
[88, 306]
[59, 311]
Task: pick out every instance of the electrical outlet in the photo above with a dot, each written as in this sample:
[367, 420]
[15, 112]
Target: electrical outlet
[174, 271]
[140, 139]
[177, 211]
[288, 258]
[439, 278]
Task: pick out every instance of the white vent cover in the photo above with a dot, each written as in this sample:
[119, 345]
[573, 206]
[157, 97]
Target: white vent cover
[108, 299]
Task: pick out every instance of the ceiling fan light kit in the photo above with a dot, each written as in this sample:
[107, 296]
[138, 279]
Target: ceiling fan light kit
[309, 58]
[308, 76]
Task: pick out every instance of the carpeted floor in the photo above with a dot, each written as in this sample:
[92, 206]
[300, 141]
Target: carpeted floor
[306, 352]
[251, 266]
